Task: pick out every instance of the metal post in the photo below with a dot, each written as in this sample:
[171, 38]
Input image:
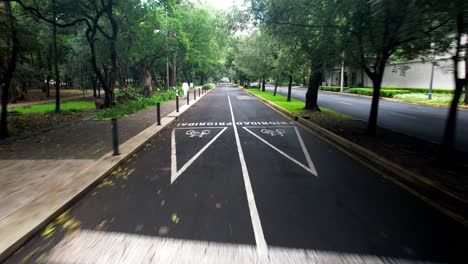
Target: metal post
[177, 103]
[199, 92]
[194, 94]
[342, 74]
[429, 94]
[188, 97]
[115, 136]
[158, 113]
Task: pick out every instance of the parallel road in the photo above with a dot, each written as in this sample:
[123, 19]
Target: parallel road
[421, 121]
[233, 181]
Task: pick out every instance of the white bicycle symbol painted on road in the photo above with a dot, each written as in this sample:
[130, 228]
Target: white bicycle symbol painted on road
[271, 132]
[192, 133]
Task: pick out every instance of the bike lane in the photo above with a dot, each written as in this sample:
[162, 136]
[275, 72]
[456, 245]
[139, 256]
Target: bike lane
[310, 195]
[233, 181]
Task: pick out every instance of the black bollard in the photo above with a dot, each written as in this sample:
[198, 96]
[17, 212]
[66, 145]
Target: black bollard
[188, 97]
[194, 94]
[115, 136]
[158, 113]
[199, 92]
[177, 103]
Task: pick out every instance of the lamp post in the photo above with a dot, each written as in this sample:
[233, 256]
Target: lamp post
[429, 94]
[167, 59]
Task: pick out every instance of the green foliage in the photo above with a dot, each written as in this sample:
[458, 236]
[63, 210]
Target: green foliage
[256, 56]
[437, 98]
[330, 88]
[139, 103]
[209, 86]
[421, 90]
[47, 108]
[129, 94]
[384, 92]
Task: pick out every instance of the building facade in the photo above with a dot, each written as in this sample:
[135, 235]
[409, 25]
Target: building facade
[415, 74]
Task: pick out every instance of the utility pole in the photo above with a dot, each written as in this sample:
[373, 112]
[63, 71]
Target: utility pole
[429, 94]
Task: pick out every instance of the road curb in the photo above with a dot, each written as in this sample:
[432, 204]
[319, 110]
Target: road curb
[450, 204]
[81, 184]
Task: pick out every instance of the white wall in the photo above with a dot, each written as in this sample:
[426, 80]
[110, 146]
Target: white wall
[412, 74]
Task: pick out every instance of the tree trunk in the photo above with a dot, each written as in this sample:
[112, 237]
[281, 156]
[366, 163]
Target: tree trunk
[276, 86]
[93, 80]
[263, 83]
[312, 91]
[56, 69]
[290, 87]
[147, 82]
[173, 72]
[376, 77]
[109, 96]
[448, 140]
[8, 76]
[450, 126]
[372, 122]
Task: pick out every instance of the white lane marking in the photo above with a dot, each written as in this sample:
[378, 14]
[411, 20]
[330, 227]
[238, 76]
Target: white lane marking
[407, 116]
[271, 132]
[174, 173]
[193, 133]
[312, 171]
[199, 127]
[88, 246]
[306, 152]
[346, 103]
[262, 247]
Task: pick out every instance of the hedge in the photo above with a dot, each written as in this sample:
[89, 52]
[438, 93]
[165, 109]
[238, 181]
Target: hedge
[383, 92]
[407, 90]
[420, 90]
[330, 88]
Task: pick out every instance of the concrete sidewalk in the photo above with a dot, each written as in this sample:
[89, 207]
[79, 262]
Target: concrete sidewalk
[41, 174]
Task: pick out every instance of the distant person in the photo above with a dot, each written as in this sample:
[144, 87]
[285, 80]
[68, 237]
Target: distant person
[185, 88]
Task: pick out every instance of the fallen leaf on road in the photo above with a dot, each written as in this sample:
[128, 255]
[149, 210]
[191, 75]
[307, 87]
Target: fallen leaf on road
[175, 218]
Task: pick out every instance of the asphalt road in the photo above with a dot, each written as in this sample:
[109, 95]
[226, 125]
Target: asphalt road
[421, 121]
[233, 181]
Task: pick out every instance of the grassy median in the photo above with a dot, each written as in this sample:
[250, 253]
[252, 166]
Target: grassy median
[295, 106]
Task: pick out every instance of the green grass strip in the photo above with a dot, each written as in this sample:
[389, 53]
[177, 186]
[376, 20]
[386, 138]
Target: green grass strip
[294, 106]
[50, 107]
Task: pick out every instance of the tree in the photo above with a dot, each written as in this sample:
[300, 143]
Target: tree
[8, 59]
[374, 30]
[256, 56]
[311, 26]
[458, 28]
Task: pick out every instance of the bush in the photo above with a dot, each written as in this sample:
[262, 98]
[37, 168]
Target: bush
[384, 92]
[208, 86]
[330, 88]
[131, 106]
[128, 94]
[420, 90]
